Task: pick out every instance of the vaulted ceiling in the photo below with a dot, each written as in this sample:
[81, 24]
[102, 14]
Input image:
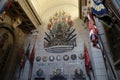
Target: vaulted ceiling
[43, 5]
[40, 11]
[45, 8]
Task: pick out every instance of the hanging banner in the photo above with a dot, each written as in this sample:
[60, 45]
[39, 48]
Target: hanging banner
[98, 8]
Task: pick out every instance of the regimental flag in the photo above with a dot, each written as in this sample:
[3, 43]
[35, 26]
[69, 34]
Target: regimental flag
[98, 9]
[22, 62]
[90, 17]
[22, 57]
[91, 23]
[27, 52]
[87, 60]
[31, 60]
[88, 66]
[32, 56]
